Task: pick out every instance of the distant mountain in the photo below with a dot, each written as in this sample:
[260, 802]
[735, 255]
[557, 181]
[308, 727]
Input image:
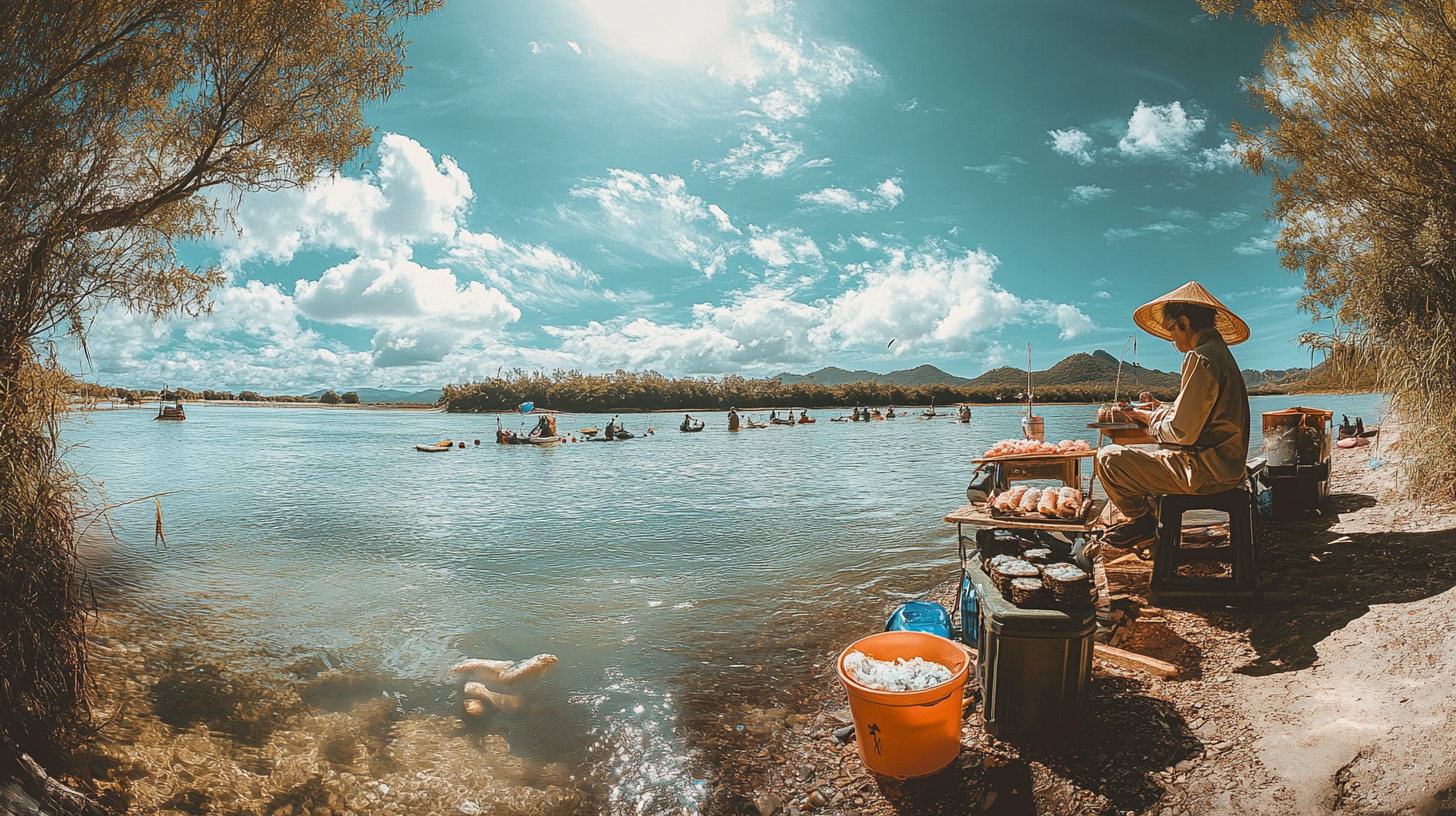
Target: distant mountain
[1097, 368]
[377, 395]
[1273, 376]
[829, 376]
[922, 375]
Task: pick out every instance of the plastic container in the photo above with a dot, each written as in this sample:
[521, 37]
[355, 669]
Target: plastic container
[1034, 428]
[1034, 666]
[920, 616]
[970, 612]
[907, 733]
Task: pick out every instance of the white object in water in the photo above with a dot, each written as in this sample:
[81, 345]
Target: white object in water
[895, 675]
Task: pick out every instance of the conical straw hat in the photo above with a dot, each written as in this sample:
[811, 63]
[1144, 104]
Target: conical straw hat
[1149, 316]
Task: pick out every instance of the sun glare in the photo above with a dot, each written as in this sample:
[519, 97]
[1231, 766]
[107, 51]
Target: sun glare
[674, 30]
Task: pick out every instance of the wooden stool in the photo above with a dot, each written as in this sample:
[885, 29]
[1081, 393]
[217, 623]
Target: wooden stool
[1244, 586]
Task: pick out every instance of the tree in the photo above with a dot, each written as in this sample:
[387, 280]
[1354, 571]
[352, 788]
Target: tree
[329, 398]
[116, 117]
[351, 398]
[1363, 162]
[249, 396]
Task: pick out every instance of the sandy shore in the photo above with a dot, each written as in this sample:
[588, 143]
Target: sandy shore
[1333, 698]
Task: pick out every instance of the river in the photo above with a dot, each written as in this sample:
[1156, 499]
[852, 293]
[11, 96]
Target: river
[671, 574]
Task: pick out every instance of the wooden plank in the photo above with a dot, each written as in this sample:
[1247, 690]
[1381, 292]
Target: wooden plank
[1134, 661]
[1023, 457]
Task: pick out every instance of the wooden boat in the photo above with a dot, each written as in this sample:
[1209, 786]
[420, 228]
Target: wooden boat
[777, 421]
[543, 440]
[693, 428]
[590, 431]
[432, 448]
[748, 421]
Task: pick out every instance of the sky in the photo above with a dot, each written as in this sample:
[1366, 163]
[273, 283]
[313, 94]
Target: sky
[709, 187]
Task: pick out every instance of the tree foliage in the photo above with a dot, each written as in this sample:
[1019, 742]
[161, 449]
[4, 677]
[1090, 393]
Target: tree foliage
[127, 128]
[1362, 154]
[650, 391]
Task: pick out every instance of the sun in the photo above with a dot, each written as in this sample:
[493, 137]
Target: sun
[670, 30]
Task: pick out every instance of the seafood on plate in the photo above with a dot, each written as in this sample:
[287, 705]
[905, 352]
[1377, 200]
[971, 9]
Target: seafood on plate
[1022, 447]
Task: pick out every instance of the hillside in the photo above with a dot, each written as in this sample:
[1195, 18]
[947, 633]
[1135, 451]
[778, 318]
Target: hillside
[1099, 368]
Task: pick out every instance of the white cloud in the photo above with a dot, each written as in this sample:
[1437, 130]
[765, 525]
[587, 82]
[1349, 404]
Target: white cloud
[1164, 228]
[1259, 245]
[866, 242]
[656, 215]
[1102, 295]
[1218, 159]
[1073, 143]
[1227, 220]
[885, 196]
[786, 71]
[1002, 169]
[1087, 193]
[812, 163]
[573, 46]
[410, 199]
[526, 273]
[782, 247]
[764, 153]
[420, 313]
[927, 299]
[1159, 130]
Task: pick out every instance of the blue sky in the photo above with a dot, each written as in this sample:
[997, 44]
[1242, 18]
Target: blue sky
[751, 187]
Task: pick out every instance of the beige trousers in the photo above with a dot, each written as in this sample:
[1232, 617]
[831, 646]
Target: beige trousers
[1133, 478]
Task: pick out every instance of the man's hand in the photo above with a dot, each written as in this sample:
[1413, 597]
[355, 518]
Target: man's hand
[1144, 415]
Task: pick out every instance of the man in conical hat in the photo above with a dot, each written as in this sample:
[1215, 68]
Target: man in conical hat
[1203, 436]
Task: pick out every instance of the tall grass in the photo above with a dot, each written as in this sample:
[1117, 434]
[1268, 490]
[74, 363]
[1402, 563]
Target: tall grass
[44, 598]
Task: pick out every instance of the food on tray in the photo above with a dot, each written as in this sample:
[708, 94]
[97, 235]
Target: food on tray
[1020, 447]
[1051, 503]
[1027, 505]
[1007, 502]
[1047, 504]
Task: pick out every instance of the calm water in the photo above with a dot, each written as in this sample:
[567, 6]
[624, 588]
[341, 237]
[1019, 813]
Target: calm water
[664, 569]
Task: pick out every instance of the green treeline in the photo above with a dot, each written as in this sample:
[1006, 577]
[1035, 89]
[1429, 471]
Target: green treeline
[650, 391]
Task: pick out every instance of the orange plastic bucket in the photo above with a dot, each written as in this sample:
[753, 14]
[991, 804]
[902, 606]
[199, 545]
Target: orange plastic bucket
[907, 733]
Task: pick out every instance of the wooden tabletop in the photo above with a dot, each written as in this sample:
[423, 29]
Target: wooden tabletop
[979, 516]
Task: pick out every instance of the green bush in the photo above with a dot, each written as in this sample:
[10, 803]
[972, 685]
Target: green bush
[330, 398]
[351, 398]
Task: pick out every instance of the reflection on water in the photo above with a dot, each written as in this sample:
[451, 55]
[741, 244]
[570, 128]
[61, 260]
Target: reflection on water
[321, 577]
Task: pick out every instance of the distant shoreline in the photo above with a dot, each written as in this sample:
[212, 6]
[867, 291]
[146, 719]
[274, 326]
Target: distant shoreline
[362, 406]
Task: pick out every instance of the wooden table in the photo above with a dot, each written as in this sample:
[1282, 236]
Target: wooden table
[978, 515]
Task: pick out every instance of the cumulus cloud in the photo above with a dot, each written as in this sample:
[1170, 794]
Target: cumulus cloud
[420, 313]
[926, 299]
[1002, 169]
[410, 199]
[782, 247]
[1087, 193]
[1073, 143]
[1163, 228]
[1153, 132]
[654, 214]
[1159, 130]
[885, 196]
[1227, 220]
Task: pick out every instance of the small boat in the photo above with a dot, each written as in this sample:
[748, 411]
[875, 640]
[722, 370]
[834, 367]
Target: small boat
[441, 448]
[777, 421]
[751, 423]
[543, 440]
[692, 428]
[840, 419]
[590, 431]
[803, 420]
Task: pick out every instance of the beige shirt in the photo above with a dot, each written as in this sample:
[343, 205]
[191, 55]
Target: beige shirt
[1210, 418]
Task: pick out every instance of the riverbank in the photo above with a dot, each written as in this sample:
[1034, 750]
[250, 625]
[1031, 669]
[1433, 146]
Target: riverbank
[1333, 698]
[362, 406]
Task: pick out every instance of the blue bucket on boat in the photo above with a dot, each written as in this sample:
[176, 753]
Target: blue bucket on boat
[920, 616]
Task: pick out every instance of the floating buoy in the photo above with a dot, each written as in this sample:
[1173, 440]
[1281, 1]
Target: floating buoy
[477, 441]
[462, 444]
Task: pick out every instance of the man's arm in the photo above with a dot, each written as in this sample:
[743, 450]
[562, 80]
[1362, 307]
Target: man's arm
[1182, 422]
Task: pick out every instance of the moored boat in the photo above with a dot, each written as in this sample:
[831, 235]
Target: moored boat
[438, 447]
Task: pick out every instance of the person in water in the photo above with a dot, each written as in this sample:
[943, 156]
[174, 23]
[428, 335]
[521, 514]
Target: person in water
[890, 413]
[611, 432]
[1203, 435]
